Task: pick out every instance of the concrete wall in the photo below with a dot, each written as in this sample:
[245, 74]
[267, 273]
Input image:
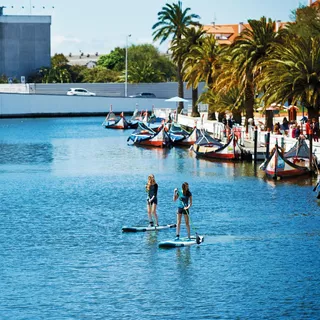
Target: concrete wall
[161, 90]
[26, 105]
[24, 44]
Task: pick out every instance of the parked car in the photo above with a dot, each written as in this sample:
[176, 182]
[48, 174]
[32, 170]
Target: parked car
[143, 95]
[79, 92]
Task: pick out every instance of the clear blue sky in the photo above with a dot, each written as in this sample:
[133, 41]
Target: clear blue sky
[101, 25]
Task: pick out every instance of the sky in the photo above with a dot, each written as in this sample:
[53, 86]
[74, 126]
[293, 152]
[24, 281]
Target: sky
[101, 25]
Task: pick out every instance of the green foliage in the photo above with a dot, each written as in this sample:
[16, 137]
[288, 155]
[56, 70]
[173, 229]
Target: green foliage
[307, 22]
[292, 72]
[4, 79]
[99, 75]
[115, 60]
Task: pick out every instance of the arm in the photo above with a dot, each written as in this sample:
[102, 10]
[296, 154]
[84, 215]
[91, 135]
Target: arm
[190, 203]
[175, 194]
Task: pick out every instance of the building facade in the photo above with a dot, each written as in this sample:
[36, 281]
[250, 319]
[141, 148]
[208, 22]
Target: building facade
[24, 44]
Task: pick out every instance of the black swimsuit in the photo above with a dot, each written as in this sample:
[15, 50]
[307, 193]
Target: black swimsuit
[153, 191]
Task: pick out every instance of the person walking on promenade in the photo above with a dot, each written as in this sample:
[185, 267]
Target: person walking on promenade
[308, 129]
[185, 202]
[152, 200]
[315, 129]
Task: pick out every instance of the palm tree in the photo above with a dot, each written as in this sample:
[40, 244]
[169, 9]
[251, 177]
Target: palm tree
[172, 21]
[247, 52]
[293, 72]
[202, 64]
[191, 37]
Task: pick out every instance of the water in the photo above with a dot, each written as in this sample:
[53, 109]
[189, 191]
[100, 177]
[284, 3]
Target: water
[68, 186]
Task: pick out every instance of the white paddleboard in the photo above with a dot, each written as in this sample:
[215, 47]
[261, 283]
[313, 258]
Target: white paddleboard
[182, 242]
[147, 228]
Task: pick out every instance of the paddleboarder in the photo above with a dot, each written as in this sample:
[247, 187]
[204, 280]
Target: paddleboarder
[185, 202]
[152, 200]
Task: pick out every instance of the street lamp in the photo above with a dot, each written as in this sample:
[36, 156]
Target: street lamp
[126, 80]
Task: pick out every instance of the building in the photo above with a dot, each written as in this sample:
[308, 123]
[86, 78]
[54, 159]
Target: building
[226, 33]
[25, 44]
[87, 60]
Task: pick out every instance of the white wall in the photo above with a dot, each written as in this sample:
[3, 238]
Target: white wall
[26, 104]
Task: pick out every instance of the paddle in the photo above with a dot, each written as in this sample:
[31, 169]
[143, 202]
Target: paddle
[316, 186]
[198, 239]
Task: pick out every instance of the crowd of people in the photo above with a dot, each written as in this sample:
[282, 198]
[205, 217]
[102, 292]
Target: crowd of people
[295, 130]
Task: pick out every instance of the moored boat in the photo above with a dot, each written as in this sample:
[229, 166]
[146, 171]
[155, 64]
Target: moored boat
[180, 136]
[277, 166]
[144, 135]
[213, 149]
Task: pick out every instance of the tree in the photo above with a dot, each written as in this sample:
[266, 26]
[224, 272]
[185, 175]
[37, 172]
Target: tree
[293, 72]
[202, 64]
[145, 64]
[172, 21]
[115, 60]
[191, 37]
[306, 22]
[247, 52]
[99, 75]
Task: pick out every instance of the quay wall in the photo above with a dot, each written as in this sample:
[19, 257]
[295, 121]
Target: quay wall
[35, 105]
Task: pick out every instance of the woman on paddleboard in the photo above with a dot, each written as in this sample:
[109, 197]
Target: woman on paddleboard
[152, 200]
[185, 202]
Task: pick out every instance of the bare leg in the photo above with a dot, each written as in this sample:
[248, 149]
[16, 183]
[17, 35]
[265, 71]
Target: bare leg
[154, 212]
[187, 220]
[178, 223]
[149, 212]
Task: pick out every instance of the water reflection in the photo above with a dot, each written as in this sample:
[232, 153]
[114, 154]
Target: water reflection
[28, 153]
[183, 257]
[161, 153]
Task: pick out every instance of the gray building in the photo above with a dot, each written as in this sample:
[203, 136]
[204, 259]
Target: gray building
[24, 44]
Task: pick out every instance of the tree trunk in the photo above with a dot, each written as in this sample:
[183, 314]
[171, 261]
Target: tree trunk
[313, 113]
[211, 113]
[180, 84]
[195, 111]
[236, 114]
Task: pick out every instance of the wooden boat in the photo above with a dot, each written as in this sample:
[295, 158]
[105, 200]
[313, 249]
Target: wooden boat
[300, 154]
[180, 136]
[277, 166]
[213, 149]
[116, 123]
[155, 137]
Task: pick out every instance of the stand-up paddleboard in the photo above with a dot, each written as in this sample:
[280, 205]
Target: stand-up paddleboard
[182, 242]
[146, 228]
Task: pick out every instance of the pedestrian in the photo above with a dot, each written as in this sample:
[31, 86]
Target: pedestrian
[152, 200]
[315, 129]
[185, 202]
[285, 125]
[308, 129]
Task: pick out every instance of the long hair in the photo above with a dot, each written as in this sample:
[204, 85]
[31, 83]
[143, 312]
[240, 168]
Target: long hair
[151, 181]
[185, 188]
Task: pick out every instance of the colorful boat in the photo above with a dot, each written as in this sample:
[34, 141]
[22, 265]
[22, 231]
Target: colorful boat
[180, 136]
[146, 136]
[213, 149]
[277, 166]
[300, 154]
[116, 123]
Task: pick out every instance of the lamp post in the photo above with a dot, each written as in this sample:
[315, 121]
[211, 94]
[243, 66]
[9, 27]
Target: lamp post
[126, 76]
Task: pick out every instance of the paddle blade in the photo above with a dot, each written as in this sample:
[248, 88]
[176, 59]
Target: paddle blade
[198, 239]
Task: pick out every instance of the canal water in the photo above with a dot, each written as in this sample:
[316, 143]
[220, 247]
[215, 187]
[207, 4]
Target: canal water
[68, 185]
